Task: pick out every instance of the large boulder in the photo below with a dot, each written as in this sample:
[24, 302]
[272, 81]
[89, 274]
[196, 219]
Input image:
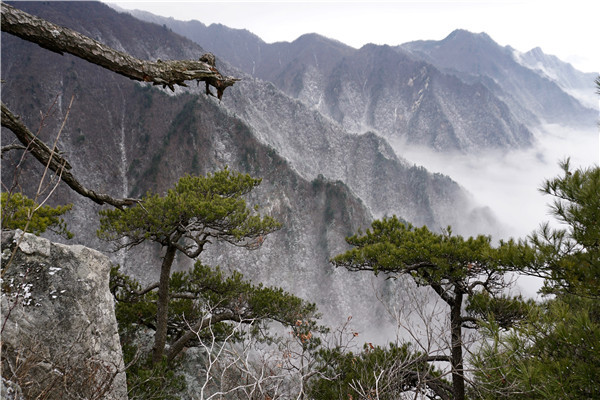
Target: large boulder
[59, 330]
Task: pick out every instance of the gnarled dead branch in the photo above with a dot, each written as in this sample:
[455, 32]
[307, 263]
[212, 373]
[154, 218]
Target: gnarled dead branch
[64, 40]
[54, 160]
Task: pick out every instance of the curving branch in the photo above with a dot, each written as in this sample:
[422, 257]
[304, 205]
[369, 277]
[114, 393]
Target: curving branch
[64, 40]
[9, 147]
[194, 330]
[54, 160]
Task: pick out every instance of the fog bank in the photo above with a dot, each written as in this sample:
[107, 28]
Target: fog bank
[508, 181]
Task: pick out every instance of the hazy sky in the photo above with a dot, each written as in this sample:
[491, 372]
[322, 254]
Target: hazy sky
[568, 29]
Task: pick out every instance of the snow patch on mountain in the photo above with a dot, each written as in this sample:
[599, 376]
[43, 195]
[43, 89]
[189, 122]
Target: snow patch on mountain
[577, 84]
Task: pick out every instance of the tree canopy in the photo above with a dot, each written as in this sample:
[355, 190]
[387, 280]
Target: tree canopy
[554, 353]
[21, 212]
[197, 211]
[452, 266]
[571, 253]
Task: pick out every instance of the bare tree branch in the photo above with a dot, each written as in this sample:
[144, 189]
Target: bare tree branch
[13, 146]
[54, 160]
[180, 343]
[63, 40]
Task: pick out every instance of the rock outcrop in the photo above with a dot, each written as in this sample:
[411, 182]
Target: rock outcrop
[59, 330]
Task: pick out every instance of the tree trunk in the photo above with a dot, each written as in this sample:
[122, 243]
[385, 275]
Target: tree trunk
[160, 337]
[63, 40]
[458, 379]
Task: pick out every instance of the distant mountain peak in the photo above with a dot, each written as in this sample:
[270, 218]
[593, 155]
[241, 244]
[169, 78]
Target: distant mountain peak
[462, 34]
[309, 38]
[536, 51]
[535, 86]
[219, 26]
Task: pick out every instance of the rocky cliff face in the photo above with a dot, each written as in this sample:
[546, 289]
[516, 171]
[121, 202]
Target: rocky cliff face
[530, 95]
[376, 88]
[125, 138]
[59, 328]
[380, 89]
[578, 84]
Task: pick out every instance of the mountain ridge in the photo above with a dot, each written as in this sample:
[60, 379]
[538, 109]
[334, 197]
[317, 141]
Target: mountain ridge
[476, 57]
[527, 99]
[127, 138]
[305, 76]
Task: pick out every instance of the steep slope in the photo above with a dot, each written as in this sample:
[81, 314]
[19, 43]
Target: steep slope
[317, 145]
[578, 84]
[374, 88]
[387, 91]
[125, 138]
[477, 58]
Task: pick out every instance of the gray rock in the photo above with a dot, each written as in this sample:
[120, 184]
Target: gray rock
[10, 390]
[59, 330]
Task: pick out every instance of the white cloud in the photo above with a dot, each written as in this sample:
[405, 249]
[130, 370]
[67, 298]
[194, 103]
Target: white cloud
[508, 182]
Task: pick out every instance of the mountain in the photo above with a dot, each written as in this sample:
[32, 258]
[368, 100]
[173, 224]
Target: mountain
[577, 84]
[246, 51]
[499, 97]
[124, 138]
[314, 145]
[530, 95]
[374, 88]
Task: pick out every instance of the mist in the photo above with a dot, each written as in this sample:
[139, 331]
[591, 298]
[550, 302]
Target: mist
[508, 182]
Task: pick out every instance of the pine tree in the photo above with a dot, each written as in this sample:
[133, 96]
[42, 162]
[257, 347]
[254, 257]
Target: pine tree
[454, 267]
[555, 352]
[21, 212]
[196, 212]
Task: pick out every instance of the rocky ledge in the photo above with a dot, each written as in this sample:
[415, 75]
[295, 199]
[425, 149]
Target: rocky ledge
[59, 330]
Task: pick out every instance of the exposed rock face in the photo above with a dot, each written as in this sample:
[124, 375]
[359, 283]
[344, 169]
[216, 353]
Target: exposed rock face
[59, 328]
[530, 94]
[124, 139]
[376, 88]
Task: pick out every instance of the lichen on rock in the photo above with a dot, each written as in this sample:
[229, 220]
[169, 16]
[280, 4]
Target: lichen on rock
[59, 328]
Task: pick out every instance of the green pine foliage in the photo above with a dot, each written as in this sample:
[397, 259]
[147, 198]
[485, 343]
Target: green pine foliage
[21, 212]
[506, 311]
[571, 254]
[148, 381]
[198, 207]
[195, 295]
[455, 268]
[133, 306]
[204, 290]
[196, 212]
[201, 289]
[554, 353]
[392, 247]
[385, 373]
